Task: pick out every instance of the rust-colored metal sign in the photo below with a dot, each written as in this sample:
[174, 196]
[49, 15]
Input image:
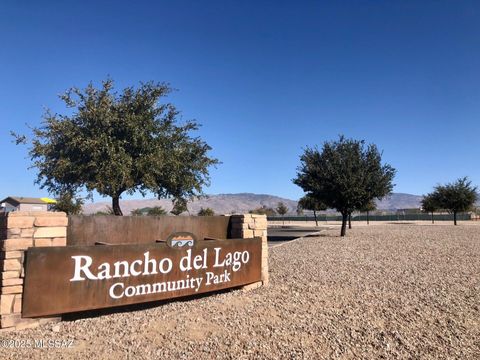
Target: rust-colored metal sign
[74, 278]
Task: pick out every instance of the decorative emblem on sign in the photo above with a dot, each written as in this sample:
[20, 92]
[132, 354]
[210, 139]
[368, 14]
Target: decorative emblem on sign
[181, 239]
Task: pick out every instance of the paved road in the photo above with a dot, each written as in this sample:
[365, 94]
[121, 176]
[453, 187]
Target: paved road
[278, 235]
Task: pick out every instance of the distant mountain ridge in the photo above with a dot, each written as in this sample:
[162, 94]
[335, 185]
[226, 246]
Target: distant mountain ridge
[244, 202]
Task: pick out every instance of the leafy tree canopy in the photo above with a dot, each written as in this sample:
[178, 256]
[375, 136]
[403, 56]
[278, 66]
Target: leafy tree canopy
[308, 202]
[430, 203]
[179, 206]
[116, 143]
[345, 175]
[370, 206]
[156, 211]
[206, 212]
[456, 197]
[263, 210]
[281, 208]
[137, 212]
[68, 203]
[299, 209]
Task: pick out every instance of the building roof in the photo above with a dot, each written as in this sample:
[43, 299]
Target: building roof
[16, 200]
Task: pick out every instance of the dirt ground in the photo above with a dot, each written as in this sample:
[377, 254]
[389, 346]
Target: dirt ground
[386, 291]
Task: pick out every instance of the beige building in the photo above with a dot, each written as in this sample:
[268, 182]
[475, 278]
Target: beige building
[19, 203]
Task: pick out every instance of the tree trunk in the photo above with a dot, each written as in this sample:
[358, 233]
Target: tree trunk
[117, 211]
[344, 224]
[349, 221]
[315, 214]
[368, 220]
[455, 218]
[433, 221]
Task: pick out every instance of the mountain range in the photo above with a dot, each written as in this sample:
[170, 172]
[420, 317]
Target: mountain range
[244, 202]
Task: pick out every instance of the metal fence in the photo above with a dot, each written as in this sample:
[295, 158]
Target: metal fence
[373, 217]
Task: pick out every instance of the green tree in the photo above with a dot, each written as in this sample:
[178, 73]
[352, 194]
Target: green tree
[370, 206]
[179, 206]
[263, 210]
[430, 204]
[282, 209]
[299, 210]
[308, 202]
[459, 196]
[137, 212]
[345, 175]
[116, 143]
[206, 212]
[156, 211]
[69, 203]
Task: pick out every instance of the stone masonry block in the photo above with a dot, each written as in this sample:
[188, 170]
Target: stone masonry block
[6, 304]
[16, 289]
[247, 234]
[35, 213]
[10, 275]
[17, 303]
[61, 241]
[11, 236]
[259, 233]
[10, 282]
[43, 242]
[20, 222]
[261, 221]
[256, 226]
[15, 321]
[27, 232]
[50, 232]
[11, 255]
[10, 264]
[9, 320]
[51, 221]
[15, 244]
[14, 231]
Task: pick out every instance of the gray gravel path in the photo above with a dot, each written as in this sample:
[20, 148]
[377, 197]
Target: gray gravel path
[390, 291]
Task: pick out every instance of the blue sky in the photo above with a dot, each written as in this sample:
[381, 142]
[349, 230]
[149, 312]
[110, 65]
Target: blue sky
[264, 78]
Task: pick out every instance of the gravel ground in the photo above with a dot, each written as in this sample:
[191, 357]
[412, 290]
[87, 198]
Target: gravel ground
[387, 291]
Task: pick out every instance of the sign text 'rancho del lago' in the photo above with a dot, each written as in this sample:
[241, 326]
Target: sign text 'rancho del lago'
[230, 262]
[67, 279]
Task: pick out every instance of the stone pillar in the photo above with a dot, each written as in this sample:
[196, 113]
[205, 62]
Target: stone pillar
[248, 226]
[20, 230]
